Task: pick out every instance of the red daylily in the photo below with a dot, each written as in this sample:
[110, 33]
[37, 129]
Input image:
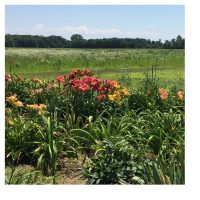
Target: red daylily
[60, 79]
[84, 87]
[91, 80]
[75, 82]
[87, 79]
[86, 72]
[74, 73]
[100, 97]
[110, 82]
[95, 82]
[104, 89]
[63, 92]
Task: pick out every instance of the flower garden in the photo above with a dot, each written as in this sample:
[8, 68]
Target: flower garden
[120, 134]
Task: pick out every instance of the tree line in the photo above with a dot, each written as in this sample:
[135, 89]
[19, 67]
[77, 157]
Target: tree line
[77, 41]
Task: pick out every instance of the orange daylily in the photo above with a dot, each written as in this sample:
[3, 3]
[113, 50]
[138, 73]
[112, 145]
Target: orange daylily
[18, 104]
[8, 78]
[37, 106]
[12, 99]
[125, 92]
[163, 93]
[180, 95]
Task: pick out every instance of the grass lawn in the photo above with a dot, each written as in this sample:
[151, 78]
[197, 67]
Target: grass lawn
[107, 63]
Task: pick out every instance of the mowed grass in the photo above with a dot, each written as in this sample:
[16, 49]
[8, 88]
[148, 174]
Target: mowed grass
[106, 63]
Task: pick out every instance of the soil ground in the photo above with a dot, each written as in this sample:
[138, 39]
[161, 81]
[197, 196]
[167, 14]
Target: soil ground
[68, 172]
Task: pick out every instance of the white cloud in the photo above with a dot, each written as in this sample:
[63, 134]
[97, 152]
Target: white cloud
[67, 31]
[86, 31]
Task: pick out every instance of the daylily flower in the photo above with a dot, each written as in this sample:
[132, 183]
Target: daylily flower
[86, 72]
[75, 82]
[100, 97]
[18, 104]
[125, 92]
[52, 85]
[36, 107]
[180, 95]
[118, 95]
[60, 79]
[117, 85]
[112, 97]
[9, 121]
[163, 93]
[104, 89]
[95, 82]
[161, 90]
[74, 73]
[63, 92]
[84, 87]
[110, 82]
[36, 80]
[8, 78]
[37, 91]
[88, 79]
[12, 99]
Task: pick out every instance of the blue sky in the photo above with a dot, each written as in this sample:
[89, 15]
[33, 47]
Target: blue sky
[151, 22]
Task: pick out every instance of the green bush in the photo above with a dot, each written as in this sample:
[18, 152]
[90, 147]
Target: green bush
[20, 138]
[117, 162]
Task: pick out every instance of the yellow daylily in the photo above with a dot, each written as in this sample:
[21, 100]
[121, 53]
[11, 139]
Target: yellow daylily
[125, 92]
[11, 99]
[36, 80]
[118, 95]
[9, 121]
[112, 97]
[117, 85]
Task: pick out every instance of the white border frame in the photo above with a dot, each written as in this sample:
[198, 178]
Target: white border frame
[187, 191]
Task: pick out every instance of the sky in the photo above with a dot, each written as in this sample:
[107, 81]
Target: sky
[150, 21]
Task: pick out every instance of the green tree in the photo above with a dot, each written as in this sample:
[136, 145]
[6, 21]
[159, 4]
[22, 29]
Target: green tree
[180, 42]
[9, 42]
[76, 37]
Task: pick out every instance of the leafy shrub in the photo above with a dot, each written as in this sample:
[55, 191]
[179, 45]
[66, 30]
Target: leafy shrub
[20, 137]
[117, 162]
[18, 85]
[166, 171]
[164, 131]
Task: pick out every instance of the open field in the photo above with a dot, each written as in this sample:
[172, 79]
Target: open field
[107, 63]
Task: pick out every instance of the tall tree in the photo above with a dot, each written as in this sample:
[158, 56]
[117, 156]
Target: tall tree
[77, 41]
